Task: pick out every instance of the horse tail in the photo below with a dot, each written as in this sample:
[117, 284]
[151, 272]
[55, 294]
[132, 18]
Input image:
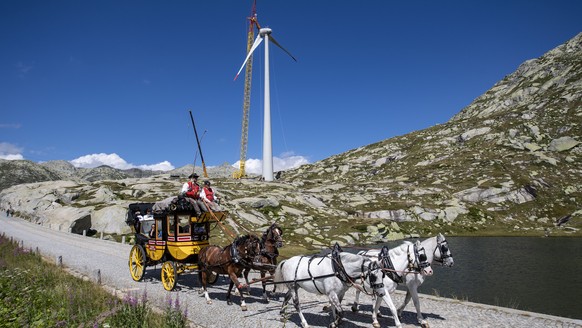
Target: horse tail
[278, 277]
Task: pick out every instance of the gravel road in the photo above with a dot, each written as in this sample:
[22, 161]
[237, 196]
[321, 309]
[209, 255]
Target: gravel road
[86, 257]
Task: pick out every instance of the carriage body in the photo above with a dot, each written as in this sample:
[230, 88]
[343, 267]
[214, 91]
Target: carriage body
[172, 237]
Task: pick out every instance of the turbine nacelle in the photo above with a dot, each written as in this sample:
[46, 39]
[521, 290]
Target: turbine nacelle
[265, 30]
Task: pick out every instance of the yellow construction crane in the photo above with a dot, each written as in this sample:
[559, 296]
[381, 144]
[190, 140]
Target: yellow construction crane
[253, 23]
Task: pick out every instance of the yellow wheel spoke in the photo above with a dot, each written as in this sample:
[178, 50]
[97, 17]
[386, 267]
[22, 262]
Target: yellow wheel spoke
[137, 262]
[169, 275]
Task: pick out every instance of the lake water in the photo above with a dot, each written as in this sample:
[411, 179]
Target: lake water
[541, 275]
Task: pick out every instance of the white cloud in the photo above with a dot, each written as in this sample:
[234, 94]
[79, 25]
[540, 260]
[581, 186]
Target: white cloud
[113, 160]
[10, 125]
[11, 157]
[163, 166]
[285, 162]
[10, 152]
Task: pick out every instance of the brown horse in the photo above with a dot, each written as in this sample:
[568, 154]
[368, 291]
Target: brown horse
[230, 260]
[267, 259]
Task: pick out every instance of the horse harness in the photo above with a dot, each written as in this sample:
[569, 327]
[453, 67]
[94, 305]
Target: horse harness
[234, 255]
[338, 271]
[443, 247]
[389, 269]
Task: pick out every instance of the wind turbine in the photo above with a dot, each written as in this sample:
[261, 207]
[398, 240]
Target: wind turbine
[265, 33]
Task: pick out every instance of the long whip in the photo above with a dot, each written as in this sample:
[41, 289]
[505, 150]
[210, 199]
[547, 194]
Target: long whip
[196, 154]
[199, 148]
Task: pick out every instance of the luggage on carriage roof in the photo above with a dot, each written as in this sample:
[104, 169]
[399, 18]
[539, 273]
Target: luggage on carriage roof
[182, 203]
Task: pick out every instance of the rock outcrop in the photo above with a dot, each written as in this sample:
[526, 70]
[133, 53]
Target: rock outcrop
[511, 161]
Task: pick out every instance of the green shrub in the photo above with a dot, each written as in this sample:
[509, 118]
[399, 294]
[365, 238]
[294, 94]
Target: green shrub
[34, 293]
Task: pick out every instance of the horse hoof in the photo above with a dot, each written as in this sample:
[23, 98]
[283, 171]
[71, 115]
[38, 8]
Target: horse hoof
[244, 308]
[354, 308]
[209, 302]
[325, 307]
[376, 325]
[424, 325]
[229, 302]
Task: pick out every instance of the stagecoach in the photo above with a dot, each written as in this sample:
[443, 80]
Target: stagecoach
[172, 237]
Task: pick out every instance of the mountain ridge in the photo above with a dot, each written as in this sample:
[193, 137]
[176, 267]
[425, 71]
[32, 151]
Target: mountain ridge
[508, 163]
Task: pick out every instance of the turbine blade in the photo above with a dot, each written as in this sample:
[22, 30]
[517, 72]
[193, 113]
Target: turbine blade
[278, 45]
[258, 41]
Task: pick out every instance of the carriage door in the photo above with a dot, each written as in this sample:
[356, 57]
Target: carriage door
[156, 245]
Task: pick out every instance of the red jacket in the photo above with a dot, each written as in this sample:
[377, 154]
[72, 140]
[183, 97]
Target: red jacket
[209, 193]
[193, 190]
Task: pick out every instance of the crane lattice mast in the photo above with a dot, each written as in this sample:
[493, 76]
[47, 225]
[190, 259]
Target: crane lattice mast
[253, 23]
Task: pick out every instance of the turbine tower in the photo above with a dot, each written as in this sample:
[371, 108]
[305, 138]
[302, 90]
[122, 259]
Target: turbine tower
[265, 33]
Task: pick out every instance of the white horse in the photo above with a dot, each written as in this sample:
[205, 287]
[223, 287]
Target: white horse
[436, 249]
[329, 275]
[406, 259]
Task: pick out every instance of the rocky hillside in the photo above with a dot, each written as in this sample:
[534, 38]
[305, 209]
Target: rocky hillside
[510, 163]
[19, 172]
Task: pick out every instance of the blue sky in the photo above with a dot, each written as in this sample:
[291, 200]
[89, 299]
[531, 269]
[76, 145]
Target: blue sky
[111, 82]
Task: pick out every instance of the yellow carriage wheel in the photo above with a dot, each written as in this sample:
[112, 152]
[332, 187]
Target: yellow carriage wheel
[137, 262]
[169, 275]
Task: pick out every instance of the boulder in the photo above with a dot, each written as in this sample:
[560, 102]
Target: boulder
[563, 143]
[265, 202]
[111, 220]
[393, 215]
[75, 219]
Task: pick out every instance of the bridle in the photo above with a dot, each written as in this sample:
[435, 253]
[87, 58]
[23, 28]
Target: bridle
[251, 248]
[443, 248]
[417, 261]
[275, 234]
[420, 260]
[368, 271]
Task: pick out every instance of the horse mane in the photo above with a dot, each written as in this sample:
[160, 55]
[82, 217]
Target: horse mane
[350, 255]
[403, 248]
[241, 240]
[433, 240]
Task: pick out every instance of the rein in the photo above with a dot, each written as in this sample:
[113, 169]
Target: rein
[352, 281]
[222, 226]
[219, 264]
[242, 261]
[311, 277]
[339, 272]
